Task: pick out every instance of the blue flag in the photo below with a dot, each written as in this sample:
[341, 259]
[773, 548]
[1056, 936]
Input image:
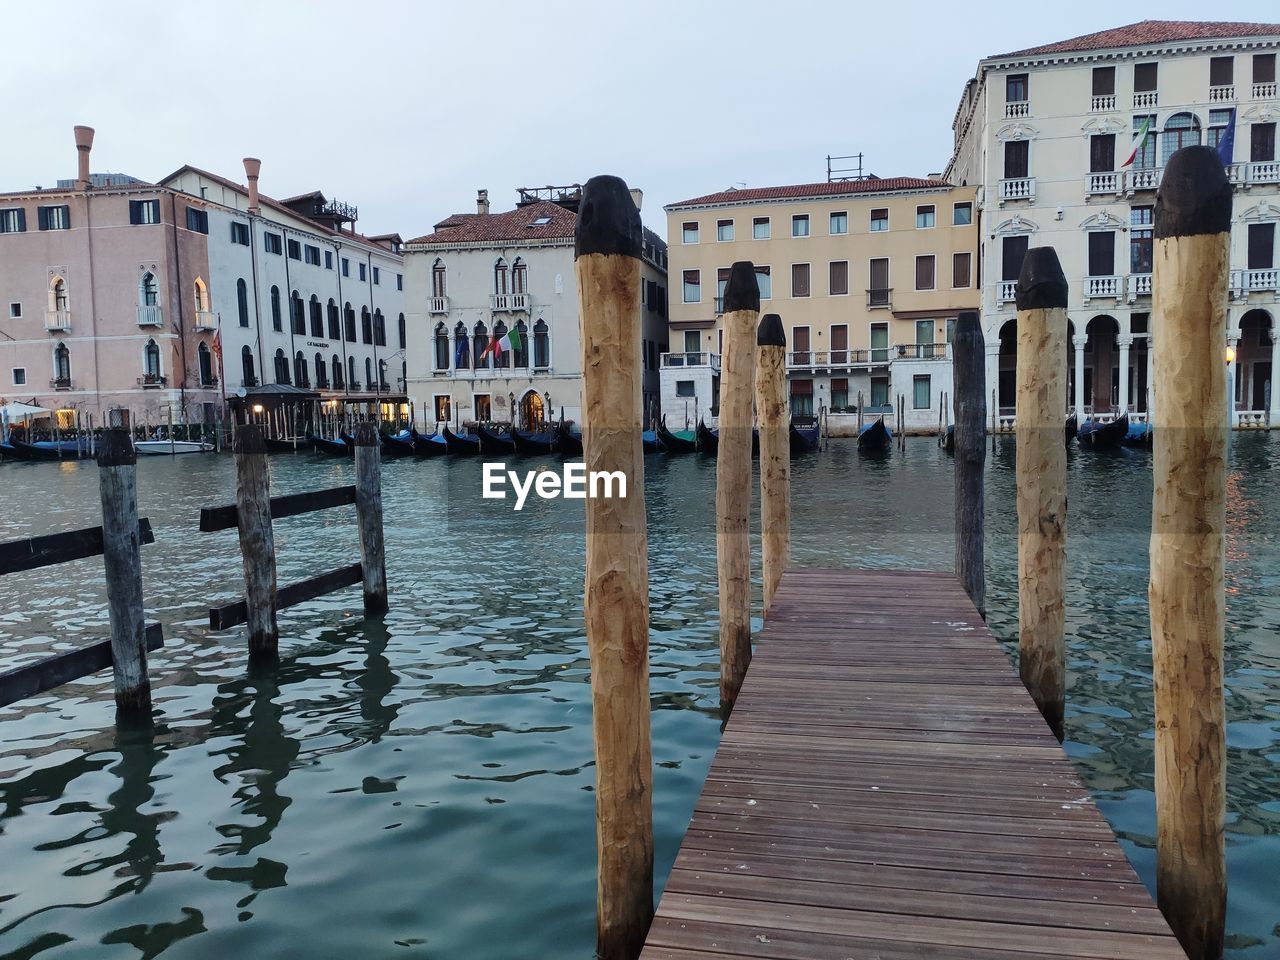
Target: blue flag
[1226, 146]
[460, 355]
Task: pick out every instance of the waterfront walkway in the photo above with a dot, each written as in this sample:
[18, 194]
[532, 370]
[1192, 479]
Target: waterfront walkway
[887, 789]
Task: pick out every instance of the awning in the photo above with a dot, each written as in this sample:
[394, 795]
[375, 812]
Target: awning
[22, 412]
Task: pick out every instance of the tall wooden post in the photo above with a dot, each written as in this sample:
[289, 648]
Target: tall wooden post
[775, 452]
[616, 601]
[373, 555]
[733, 478]
[257, 541]
[1042, 482]
[1188, 602]
[122, 560]
[969, 371]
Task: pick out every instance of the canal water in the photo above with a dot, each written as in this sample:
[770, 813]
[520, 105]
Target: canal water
[422, 786]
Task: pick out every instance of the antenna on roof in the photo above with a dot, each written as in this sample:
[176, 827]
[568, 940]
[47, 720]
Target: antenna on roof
[841, 174]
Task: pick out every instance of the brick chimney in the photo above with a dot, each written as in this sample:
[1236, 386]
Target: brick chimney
[482, 201]
[252, 166]
[84, 143]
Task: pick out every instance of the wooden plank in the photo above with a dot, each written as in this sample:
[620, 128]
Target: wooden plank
[291, 505]
[36, 552]
[233, 614]
[43, 675]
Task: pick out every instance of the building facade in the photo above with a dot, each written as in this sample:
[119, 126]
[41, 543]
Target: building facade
[867, 275]
[487, 274]
[1046, 137]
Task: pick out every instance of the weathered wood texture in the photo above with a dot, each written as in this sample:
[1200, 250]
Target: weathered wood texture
[886, 788]
[257, 541]
[1188, 612]
[227, 517]
[1042, 509]
[970, 453]
[233, 614]
[36, 552]
[616, 601]
[32, 679]
[373, 554]
[775, 466]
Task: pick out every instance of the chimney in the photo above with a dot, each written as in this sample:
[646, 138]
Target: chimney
[252, 166]
[84, 143]
[637, 197]
[482, 201]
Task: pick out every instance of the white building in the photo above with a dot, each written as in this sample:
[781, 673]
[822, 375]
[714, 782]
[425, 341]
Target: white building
[480, 274]
[1043, 134]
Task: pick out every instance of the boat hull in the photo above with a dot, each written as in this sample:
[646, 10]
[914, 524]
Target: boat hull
[285, 444]
[675, 443]
[493, 443]
[429, 445]
[534, 444]
[803, 439]
[166, 448]
[568, 442]
[1100, 435]
[875, 437]
[708, 439]
[46, 450]
[461, 445]
[330, 448]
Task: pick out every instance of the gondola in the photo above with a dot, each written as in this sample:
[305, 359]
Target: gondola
[429, 444]
[398, 444]
[494, 442]
[461, 444]
[331, 448]
[534, 443]
[286, 444]
[651, 442]
[1098, 435]
[875, 437]
[683, 441]
[1072, 428]
[1138, 435]
[7, 452]
[568, 442]
[44, 450]
[708, 439]
[803, 439]
[171, 448]
[947, 439]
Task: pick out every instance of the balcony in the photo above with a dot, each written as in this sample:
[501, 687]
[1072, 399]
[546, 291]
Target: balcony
[826, 359]
[922, 351]
[60, 383]
[205, 320]
[508, 302]
[211, 382]
[1006, 291]
[1139, 286]
[1019, 188]
[57, 320]
[1102, 287]
[1222, 94]
[438, 305]
[1145, 98]
[1102, 103]
[880, 298]
[1264, 91]
[1096, 183]
[150, 315]
[152, 381]
[1251, 174]
[1245, 282]
[711, 360]
[1144, 178]
[1018, 108]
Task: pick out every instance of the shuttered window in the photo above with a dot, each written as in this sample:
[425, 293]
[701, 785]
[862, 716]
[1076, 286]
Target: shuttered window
[924, 272]
[800, 280]
[960, 269]
[1104, 81]
[838, 278]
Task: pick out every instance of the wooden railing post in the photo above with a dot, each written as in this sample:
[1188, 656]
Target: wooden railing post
[257, 541]
[373, 555]
[1042, 482]
[1188, 524]
[608, 244]
[122, 560]
[970, 375]
[733, 478]
[775, 452]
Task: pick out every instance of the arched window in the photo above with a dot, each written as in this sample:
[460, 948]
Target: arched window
[335, 326]
[442, 347]
[201, 294]
[337, 372]
[541, 345]
[242, 302]
[282, 367]
[300, 370]
[317, 318]
[480, 340]
[352, 380]
[404, 342]
[503, 359]
[500, 277]
[148, 291]
[151, 361]
[204, 358]
[379, 329]
[382, 376]
[521, 345]
[368, 373]
[349, 321]
[58, 299]
[62, 365]
[1180, 130]
[247, 372]
[366, 325]
[322, 372]
[461, 354]
[518, 275]
[438, 287]
[277, 323]
[298, 314]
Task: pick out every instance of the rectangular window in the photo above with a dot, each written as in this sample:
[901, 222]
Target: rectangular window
[764, 280]
[54, 218]
[802, 398]
[1016, 156]
[13, 220]
[925, 216]
[800, 225]
[1102, 153]
[685, 388]
[880, 394]
[1219, 120]
[1262, 246]
[840, 343]
[880, 343]
[924, 272]
[879, 219]
[878, 282]
[400, 282]
[1144, 77]
[364, 273]
[1262, 142]
[240, 233]
[692, 286]
[19, 376]
[920, 392]
[839, 223]
[1102, 253]
[377, 276]
[1140, 239]
[1264, 68]
[800, 344]
[838, 278]
[1015, 88]
[689, 232]
[272, 244]
[144, 211]
[197, 220]
[311, 255]
[15, 311]
[800, 280]
[1221, 71]
[692, 341]
[961, 266]
[346, 267]
[724, 230]
[760, 228]
[328, 259]
[924, 336]
[1145, 158]
[1104, 81]
[962, 214]
[295, 250]
[1012, 252]
[839, 394]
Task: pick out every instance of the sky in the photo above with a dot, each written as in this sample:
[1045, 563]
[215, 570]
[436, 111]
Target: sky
[407, 108]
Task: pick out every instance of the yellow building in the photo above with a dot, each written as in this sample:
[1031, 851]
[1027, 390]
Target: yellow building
[868, 276]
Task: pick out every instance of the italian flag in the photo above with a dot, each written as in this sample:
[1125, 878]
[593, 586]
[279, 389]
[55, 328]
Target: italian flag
[509, 341]
[1138, 140]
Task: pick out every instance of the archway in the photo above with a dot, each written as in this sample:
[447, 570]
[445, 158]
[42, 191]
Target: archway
[1007, 371]
[1101, 364]
[1253, 361]
[533, 411]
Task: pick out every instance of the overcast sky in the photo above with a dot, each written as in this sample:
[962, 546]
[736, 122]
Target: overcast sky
[405, 109]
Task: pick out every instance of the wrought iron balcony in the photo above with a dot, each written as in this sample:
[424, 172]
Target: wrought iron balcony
[711, 360]
[880, 297]
[922, 351]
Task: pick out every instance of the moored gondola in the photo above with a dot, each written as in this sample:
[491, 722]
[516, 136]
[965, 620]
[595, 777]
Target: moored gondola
[1072, 428]
[804, 439]
[429, 444]
[568, 442]
[534, 443]
[1138, 435]
[1098, 435]
[286, 444]
[708, 439]
[461, 444]
[682, 441]
[876, 437]
[398, 444]
[44, 450]
[947, 439]
[649, 438]
[493, 442]
[330, 447]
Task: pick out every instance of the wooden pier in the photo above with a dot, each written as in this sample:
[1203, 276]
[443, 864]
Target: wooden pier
[886, 788]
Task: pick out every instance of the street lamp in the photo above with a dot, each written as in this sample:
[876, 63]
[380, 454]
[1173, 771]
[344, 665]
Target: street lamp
[1230, 356]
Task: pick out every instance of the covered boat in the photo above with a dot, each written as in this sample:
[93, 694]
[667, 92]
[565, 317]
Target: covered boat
[1072, 427]
[568, 442]
[461, 444]
[1097, 435]
[48, 449]
[332, 448]
[1139, 435]
[679, 441]
[429, 444]
[494, 442]
[651, 442]
[708, 439]
[398, 444]
[875, 437]
[804, 439]
[169, 448]
[947, 439]
[534, 443]
[286, 444]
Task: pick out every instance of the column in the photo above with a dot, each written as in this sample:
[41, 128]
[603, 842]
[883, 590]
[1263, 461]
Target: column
[1125, 341]
[1078, 341]
[1233, 378]
[993, 368]
[1273, 411]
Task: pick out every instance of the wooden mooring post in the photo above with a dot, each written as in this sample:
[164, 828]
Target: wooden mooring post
[373, 556]
[608, 244]
[775, 452]
[969, 373]
[1042, 482]
[733, 477]
[257, 541]
[1188, 523]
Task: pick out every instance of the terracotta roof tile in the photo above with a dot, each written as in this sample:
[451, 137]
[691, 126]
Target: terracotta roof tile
[513, 225]
[800, 190]
[1151, 32]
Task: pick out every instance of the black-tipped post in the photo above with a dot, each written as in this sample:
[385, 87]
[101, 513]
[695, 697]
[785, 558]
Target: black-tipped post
[742, 292]
[249, 440]
[1041, 283]
[608, 220]
[115, 449]
[1194, 196]
[770, 333]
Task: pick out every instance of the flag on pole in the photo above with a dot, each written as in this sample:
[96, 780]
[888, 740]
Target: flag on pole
[510, 341]
[1226, 146]
[1139, 140]
[460, 354]
[494, 346]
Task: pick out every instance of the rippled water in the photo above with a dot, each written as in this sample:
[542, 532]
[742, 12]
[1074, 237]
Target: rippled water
[421, 785]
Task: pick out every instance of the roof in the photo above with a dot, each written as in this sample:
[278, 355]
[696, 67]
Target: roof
[517, 226]
[1147, 32]
[839, 188]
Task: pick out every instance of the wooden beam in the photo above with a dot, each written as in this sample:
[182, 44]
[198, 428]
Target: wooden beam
[233, 614]
[19, 555]
[226, 517]
[43, 675]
